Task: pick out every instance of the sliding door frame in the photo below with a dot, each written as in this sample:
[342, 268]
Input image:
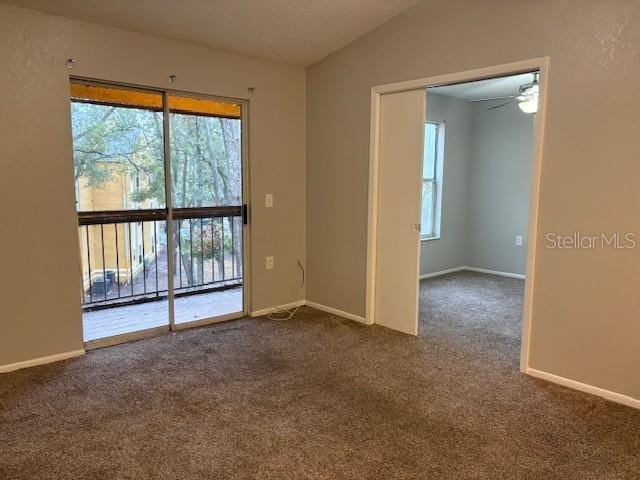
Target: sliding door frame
[245, 207]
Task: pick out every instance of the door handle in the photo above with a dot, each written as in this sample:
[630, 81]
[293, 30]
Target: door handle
[245, 214]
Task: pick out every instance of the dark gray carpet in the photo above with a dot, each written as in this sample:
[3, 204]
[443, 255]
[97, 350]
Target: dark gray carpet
[318, 397]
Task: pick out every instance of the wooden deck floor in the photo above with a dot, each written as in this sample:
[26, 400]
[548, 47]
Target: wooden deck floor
[133, 318]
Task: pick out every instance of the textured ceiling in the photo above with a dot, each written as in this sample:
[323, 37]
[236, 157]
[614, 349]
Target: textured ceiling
[494, 87]
[293, 31]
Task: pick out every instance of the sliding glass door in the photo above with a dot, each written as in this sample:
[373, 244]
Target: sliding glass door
[206, 189]
[159, 195]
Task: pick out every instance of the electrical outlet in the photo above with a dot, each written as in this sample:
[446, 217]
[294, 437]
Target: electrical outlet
[269, 263]
[519, 240]
[268, 200]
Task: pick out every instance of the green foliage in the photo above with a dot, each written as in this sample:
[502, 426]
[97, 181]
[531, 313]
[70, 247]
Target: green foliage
[205, 161]
[205, 153]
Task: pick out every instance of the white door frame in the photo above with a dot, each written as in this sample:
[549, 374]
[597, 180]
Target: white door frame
[540, 64]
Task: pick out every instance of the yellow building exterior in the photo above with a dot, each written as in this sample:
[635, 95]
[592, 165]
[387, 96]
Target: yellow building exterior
[98, 249]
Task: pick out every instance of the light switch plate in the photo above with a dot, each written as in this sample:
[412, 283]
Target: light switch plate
[519, 240]
[269, 263]
[268, 200]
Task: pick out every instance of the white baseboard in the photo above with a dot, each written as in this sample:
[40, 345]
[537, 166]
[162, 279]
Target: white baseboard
[41, 361]
[317, 306]
[583, 387]
[441, 272]
[335, 311]
[494, 272]
[472, 269]
[266, 311]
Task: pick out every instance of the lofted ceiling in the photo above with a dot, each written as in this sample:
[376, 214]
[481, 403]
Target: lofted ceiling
[493, 87]
[299, 32]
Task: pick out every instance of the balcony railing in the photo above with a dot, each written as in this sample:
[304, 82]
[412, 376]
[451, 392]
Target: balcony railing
[124, 254]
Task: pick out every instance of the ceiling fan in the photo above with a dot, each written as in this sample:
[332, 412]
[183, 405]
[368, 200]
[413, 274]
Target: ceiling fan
[527, 97]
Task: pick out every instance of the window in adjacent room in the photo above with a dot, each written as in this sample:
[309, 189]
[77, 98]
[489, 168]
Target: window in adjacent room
[432, 180]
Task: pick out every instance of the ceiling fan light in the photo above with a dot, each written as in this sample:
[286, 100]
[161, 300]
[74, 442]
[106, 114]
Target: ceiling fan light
[530, 105]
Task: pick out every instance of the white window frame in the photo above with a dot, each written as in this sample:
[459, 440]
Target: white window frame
[436, 183]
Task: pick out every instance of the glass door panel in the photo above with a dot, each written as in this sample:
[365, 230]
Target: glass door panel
[206, 170]
[118, 160]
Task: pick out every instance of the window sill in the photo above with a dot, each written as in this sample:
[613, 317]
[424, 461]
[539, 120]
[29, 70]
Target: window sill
[427, 239]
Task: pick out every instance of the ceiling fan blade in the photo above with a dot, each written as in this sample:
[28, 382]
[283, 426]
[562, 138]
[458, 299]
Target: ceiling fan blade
[501, 105]
[490, 98]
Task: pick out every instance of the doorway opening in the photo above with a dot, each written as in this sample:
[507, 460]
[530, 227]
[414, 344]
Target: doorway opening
[402, 132]
[477, 176]
[161, 209]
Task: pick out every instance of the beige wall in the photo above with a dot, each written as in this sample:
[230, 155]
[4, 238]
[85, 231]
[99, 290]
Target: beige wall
[586, 312]
[39, 243]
